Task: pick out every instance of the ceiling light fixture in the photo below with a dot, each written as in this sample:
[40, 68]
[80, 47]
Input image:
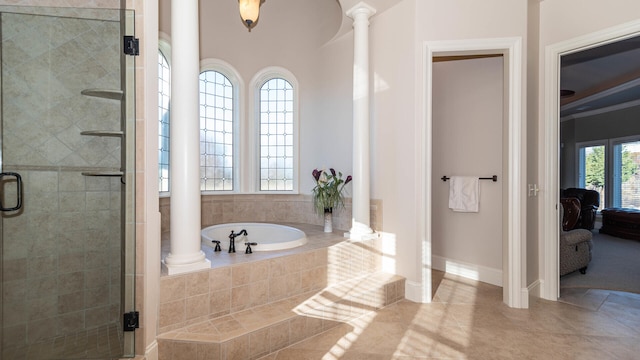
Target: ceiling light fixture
[249, 12]
[566, 93]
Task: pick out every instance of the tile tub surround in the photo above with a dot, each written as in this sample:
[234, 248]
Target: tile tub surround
[253, 298]
[219, 209]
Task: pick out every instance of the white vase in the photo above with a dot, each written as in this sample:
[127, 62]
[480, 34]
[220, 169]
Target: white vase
[328, 221]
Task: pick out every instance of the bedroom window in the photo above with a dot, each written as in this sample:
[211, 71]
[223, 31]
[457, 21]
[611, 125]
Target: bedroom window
[611, 167]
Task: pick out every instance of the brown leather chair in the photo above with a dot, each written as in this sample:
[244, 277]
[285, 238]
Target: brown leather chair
[589, 203]
[571, 213]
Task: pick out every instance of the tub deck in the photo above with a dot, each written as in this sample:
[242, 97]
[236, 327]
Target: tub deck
[316, 239]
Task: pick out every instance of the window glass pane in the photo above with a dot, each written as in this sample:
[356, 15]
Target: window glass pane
[216, 129]
[164, 86]
[592, 170]
[276, 159]
[626, 177]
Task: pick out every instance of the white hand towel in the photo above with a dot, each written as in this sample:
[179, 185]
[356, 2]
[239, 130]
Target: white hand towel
[464, 194]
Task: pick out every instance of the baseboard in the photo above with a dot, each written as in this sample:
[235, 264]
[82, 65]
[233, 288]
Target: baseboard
[413, 292]
[151, 352]
[470, 271]
[534, 288]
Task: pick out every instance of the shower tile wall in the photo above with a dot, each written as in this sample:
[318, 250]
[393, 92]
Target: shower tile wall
[61, 268]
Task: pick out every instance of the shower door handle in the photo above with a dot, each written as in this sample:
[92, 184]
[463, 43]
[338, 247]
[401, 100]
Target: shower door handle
[18, 180]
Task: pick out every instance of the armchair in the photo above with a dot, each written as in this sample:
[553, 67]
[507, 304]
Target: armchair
[589, 203]
[575, 246]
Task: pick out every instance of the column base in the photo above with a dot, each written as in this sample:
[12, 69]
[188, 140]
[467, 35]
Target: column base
[361, 232]
[173, 267]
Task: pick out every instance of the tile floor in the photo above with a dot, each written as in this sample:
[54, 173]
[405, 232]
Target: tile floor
[467, 320]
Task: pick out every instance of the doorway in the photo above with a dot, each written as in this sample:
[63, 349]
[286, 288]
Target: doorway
[550, 151]
[468, 123]
[515, 292]
[68, 155]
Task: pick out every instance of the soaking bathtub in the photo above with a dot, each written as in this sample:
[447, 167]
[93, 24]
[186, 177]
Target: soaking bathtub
[268, 237]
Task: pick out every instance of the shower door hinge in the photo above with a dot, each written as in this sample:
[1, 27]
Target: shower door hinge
[131, 45]
[131, 321]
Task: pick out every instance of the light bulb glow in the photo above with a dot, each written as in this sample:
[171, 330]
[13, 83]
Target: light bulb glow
[249, 12]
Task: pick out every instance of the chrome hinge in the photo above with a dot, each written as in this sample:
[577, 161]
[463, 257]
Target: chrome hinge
[131, 321]
[131, 45]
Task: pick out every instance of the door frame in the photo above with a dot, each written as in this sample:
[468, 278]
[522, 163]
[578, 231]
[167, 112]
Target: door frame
[550, 169]
[515, 292]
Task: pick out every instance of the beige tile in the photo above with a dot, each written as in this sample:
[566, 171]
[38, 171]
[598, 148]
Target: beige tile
[197, 283]
[220, 302]
[208, 352]
[259, 343]
[240, 298]
[220, 279]
[197, 306]
[172, 313]
[241, 274]
[184, 351]
[279, 336]
[237, 349]
[259, 271]
[172, 288]
[277, 288]
[259, 292]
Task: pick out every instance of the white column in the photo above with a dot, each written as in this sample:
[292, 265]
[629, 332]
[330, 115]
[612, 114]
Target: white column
[360, 223]
[186, 254]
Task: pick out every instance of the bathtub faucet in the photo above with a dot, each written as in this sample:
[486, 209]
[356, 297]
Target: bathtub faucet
[232, 239]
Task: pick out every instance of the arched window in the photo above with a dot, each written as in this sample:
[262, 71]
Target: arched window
[164, 96]
[220, 88]
[277, 131]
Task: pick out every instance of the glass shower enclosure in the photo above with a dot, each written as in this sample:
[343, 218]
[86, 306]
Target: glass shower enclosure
[67, 183]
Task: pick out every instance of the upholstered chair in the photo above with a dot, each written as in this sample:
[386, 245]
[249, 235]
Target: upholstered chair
[589, 203]
[575, 246]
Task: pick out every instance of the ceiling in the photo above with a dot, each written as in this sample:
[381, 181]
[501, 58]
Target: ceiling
[604, 78]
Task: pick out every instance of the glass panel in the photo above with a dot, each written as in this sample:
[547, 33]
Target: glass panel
[164, 88]
[626, 177]
[216, 131]
[275, 126]
[63, 274]
[592, 170]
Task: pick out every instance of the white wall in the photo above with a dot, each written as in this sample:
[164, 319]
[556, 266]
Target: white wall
[467, 140]
[567, 19]
[398, 117]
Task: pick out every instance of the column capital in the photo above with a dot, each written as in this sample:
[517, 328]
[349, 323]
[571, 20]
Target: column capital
[361, 8]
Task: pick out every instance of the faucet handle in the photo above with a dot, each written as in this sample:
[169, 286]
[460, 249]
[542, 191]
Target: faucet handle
[217, 247]
[248, 250]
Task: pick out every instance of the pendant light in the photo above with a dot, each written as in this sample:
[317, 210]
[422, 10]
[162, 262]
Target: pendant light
[249, 12]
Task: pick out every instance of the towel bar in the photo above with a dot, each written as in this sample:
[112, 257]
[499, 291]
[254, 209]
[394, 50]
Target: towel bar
[494, 178]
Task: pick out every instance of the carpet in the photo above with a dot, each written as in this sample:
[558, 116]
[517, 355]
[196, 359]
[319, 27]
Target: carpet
[615, 265]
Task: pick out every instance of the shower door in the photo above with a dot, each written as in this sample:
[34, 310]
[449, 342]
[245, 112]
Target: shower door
[67, 159]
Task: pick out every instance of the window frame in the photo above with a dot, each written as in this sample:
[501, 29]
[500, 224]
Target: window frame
[609, 178]
[261, 78]
[233, 76]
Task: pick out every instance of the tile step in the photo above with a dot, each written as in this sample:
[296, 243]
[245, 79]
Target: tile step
[258, 331]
